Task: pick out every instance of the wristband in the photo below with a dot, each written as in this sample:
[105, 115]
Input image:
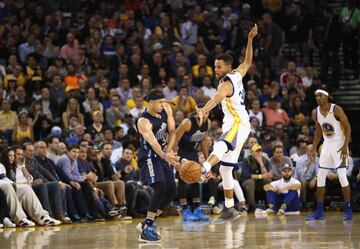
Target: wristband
[260, 177]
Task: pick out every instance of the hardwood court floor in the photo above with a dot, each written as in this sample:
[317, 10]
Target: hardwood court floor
[245, 232]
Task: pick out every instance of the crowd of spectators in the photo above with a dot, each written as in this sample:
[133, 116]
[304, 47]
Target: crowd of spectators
[74, 74]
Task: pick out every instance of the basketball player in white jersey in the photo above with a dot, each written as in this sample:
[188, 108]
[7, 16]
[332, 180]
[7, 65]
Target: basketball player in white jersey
[236, 125]
[333, 125]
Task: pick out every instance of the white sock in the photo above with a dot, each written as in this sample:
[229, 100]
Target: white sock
[207, 166]
[238, 191]
[229, 202]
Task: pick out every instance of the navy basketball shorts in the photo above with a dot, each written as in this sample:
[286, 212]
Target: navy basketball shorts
[154, 170]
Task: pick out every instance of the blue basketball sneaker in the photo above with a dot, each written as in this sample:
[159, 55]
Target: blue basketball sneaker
[347, 213]
[149, 235]
[188, 215]
[318, 215]
[200, 215]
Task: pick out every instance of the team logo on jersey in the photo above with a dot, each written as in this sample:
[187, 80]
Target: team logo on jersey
[328, 129]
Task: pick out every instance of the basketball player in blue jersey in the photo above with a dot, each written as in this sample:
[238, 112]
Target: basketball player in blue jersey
[333, 125]
[157, 128]
[189, 135]
[236, 125]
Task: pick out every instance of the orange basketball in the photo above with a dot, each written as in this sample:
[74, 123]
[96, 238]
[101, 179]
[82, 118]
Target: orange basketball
[190, 172]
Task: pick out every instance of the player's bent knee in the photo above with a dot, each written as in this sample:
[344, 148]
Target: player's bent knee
[227, 177]
[220, 148]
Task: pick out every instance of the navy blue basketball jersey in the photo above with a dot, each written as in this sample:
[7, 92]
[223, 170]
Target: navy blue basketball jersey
[190, 140]
[160, 130]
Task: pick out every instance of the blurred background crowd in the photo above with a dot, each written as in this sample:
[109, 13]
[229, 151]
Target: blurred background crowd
[74, 74]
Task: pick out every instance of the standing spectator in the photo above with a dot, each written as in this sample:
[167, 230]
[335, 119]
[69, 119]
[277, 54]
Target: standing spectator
[278, 160]
[274, 36]
[256, 172]
[189, 33]
[283, 195]
[350, 23]
[306, 171]
[331, 45]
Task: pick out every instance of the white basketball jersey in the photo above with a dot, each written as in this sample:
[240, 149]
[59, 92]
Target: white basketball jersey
[330, 126]
[234, 106]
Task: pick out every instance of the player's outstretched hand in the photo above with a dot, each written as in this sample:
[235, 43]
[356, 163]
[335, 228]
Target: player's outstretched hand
[253, 32]
[200, 114]
[172, 158]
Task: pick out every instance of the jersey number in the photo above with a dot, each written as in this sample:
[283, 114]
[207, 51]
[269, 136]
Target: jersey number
[241, 94]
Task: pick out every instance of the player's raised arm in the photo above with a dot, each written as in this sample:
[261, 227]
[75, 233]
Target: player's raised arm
[244, 67]
[185, 126]
[171, 126]
[339, 113]
[318, 132]
[145, 129]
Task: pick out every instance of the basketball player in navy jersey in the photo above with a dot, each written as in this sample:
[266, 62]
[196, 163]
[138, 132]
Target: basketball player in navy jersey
[157, 128]
[189, 135]
[333, 125]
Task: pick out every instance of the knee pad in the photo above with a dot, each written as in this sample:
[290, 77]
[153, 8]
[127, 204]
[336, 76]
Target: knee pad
[219, 149]
[321, 177]
[227, 177]
[342, 177]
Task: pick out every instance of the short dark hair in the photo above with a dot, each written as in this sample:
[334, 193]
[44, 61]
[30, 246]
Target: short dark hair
[278, 146]
[50, 139]
[105, 143]
[228, 59]
[25, 145]
[72, 146]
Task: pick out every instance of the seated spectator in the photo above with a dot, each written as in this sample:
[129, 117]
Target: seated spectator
[105, 171]
[72, 108]
[298, 113]
[48, 164]
[46, 186]
[96, 129]
[68, 171]
[306, 171]
[138, 109]
[255, 128]
[8, 119]
[252, 139]
[283, 195]
[280, 134]
[184, 102]
[169, 90]
[201, 61]
[274, 114]
[101, 204]
[300, 150]
[124, 90]
[76, 135]
[208, 88]
[278, 160]
[291, 71]
[267, 95]
[115, 114]
[22, 198]
[24, 128]
[256, 112]
[256, 172]
[136, 92]
[109, 138]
